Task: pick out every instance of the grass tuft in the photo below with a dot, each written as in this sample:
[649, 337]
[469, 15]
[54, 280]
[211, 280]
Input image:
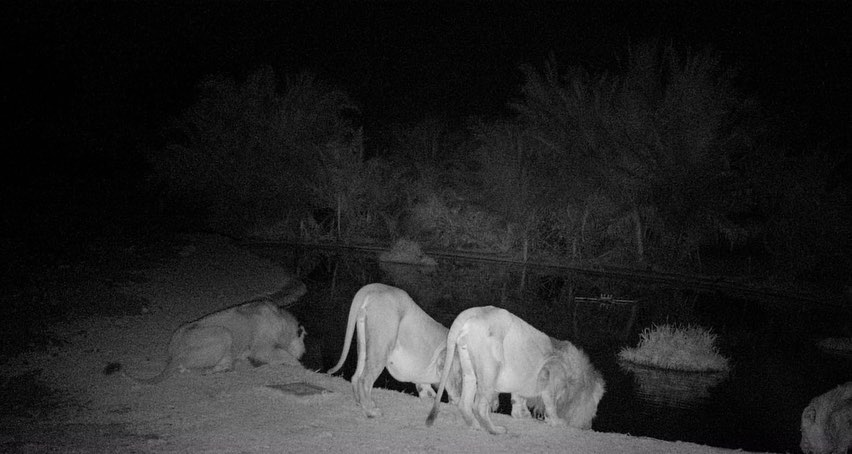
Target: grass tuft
[686, 348]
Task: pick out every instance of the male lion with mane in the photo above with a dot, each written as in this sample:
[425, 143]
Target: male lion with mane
[257, 331]
[827, 422]
[396, 333]
[500, 353]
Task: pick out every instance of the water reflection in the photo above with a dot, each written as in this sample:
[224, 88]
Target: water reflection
[669, 388]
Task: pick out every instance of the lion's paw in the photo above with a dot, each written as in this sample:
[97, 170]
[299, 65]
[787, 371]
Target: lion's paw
[556, 422]
[521, 412]
[498, 430]
[373, 412]
[426, 392]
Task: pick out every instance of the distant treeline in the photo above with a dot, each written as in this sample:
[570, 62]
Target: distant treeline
[662, 162]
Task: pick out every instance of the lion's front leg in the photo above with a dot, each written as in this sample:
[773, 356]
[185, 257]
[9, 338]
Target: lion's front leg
[519, 407]
[550, 416]
[277, 356]
[551, 380]
[262, 353]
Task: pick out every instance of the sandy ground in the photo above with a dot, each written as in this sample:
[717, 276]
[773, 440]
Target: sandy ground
[78, 409]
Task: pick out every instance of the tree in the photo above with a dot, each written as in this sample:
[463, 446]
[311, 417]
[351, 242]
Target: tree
[249, 152]
[650, 138]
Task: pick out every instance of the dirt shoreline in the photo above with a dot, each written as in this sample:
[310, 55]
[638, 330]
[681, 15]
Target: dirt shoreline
[78, 409]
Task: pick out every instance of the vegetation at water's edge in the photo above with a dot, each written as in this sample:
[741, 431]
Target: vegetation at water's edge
[836, 344]
[685, 348]
[407, 251]
[659, 161]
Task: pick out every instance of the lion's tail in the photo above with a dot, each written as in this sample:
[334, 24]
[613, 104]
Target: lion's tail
[452, 337]
[167, 372]
[357, 303]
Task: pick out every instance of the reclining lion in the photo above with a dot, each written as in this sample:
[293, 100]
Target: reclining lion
[257, 331]
[827, 422]
[500, 353]
[394, 332]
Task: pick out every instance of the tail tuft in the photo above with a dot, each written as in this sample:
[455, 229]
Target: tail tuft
[112, 368]
[432, 415]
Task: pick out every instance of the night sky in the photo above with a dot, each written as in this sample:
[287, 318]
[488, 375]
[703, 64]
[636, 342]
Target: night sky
[90, 83]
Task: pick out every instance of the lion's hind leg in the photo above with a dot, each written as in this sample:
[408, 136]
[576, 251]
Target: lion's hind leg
[468, 393]
[373, 354]
[486, 376]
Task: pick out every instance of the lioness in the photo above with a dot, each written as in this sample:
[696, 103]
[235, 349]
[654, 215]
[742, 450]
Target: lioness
[500, 353]
[257, 331]
[827, 422]
[394, 332]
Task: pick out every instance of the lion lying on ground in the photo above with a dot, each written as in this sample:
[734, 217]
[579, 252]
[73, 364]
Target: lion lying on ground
[257, 331]
[827, 422]
[394, 332]
[500, 353]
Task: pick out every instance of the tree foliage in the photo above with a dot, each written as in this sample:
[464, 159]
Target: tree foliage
[247, 151]
[653, 139]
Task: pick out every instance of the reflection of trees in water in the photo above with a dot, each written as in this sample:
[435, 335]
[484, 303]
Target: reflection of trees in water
[673, 388]
[549, 298]
[605, 319]
[419, 281]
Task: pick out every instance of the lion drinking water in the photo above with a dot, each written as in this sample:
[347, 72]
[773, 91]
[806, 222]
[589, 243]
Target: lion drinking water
[257, 331]
[500, 353]
[394, 332]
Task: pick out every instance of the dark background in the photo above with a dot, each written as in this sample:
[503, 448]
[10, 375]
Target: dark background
[91, 84]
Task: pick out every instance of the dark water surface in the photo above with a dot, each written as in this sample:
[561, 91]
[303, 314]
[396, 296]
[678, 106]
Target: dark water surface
[756, 406]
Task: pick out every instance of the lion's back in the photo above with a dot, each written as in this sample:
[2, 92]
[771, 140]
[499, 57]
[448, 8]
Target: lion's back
[248, 323]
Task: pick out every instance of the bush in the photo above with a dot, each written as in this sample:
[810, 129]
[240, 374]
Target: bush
[247, 154]
[689, 348]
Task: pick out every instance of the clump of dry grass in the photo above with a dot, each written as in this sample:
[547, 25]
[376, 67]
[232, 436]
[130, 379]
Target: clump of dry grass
[686, 348]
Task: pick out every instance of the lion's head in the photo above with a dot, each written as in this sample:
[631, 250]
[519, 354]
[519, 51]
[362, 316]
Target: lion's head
[576, 386]
[291, 334]
[826, 433]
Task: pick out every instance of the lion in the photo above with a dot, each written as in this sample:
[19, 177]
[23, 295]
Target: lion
[827, 422]
[395, 333]
[500, 353]
[257, 331]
